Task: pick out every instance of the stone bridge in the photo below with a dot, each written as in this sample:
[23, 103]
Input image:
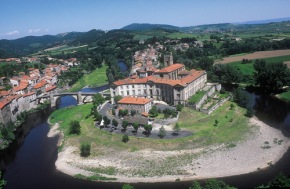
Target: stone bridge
[81, 97]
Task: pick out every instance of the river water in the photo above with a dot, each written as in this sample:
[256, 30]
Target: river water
[31, 164]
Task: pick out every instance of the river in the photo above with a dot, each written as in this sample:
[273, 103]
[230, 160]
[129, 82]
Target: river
[32, 163]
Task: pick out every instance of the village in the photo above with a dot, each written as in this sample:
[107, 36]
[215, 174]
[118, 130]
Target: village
[25, 87]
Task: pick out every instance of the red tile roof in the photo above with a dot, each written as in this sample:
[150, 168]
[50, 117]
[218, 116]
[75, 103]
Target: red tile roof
[4, 93]
[50, 88]
[183, 81]
[20, 87]
[6, 101]
[170, 68]
[28, 94]
[39, 84]
[133, 100]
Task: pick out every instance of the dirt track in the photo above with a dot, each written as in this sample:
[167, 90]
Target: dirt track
[255, 55]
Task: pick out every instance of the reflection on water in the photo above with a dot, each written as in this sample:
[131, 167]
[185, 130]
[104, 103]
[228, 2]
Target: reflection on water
[272, 111]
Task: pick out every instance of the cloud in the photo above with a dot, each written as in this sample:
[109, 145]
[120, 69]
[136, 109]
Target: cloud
[12, 33]
[34, 30]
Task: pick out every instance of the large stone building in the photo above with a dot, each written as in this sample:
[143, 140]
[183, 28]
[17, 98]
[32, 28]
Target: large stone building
[172, 84]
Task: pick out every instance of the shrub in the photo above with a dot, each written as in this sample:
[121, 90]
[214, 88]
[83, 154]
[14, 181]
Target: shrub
[179, 107]
[127, 186]
[74, 127]
[125, 138]
[162, 132]
[85, 149]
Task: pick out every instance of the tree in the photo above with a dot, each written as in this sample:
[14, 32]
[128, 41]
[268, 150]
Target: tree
[97, 117]
[232, 106]
[107, 121]
[117, 98]
[98, 99]
[216, 122]
[115, 123]
[123, 113]
[179, 107]
[125, 138]
[270, 76]
[205, 63]
[2, 181]
[148, 128]
[227, 74]
[153, 112]
[74, 127]
[216, 184]
[127, 186]
[167, 112]
[176, 128]
[195, 185]
[162, 132]
[85, 149]
[135, 126]
[280, 181]
[250, 112]
[241, 97]
[133, 112]
[125, 124]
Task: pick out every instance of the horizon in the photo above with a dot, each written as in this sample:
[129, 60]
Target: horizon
[38, 18]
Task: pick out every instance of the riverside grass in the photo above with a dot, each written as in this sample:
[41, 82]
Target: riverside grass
[105, 144]
[96, 78]
[232, 126]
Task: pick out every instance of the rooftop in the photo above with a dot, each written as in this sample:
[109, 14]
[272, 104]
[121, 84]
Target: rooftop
[170, 68]
[133, 100]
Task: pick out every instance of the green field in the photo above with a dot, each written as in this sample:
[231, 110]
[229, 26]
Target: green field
[141, 37]
[248, 69]
[179, 35]
[96, 78]
[61, 49]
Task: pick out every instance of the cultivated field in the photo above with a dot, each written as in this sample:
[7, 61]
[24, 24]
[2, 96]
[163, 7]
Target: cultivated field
[255, 55]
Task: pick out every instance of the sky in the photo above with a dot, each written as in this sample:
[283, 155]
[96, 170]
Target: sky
[19, 18]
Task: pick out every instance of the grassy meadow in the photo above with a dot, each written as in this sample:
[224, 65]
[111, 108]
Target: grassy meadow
[232, 126]
[248, 68]
[96, 78]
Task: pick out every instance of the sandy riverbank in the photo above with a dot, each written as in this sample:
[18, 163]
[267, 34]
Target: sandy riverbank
[263, 147]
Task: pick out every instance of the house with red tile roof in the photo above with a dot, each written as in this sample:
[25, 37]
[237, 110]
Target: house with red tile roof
[140, 105]
[172, 84]
[40, 87]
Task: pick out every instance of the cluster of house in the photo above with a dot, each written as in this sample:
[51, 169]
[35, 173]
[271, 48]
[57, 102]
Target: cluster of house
[172, 84]
[147, 57]
[25, 89]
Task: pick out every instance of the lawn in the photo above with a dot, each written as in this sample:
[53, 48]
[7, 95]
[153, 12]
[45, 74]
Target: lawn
[96, 78]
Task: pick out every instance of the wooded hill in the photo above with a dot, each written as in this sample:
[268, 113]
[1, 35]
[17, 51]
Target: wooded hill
[135, 32]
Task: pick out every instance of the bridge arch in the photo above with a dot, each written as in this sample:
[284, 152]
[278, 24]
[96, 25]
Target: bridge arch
[80, 97]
